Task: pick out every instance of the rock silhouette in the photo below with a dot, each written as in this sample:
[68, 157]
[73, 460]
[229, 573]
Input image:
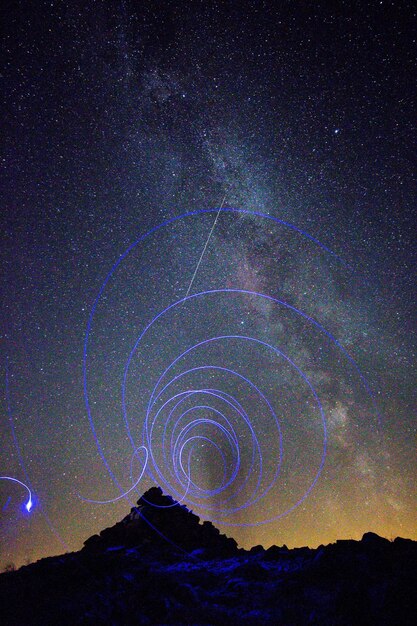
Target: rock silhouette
[130, 575]
[161, 525]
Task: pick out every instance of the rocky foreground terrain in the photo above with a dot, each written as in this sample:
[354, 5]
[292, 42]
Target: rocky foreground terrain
[130, 574]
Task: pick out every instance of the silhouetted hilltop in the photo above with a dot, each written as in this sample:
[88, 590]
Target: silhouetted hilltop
[130, 575]
[159, 524]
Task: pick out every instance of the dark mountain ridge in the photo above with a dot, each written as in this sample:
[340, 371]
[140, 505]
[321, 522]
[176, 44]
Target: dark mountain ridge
[185, 572]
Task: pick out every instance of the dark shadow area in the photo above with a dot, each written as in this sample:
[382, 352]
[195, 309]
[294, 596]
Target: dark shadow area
[131, 574]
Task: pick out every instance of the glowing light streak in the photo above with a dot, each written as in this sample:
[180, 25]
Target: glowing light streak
[205, 247]
[22, 465]
[132, 488]
[179, 439]
[256, 497]
[305, 316]
[148, 436]
[7, 503]
[29, 503]
[123, 257]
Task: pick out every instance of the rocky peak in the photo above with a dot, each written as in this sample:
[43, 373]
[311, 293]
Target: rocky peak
[159, 523]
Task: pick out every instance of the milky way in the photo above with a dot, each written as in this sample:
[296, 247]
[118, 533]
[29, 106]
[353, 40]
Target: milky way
[269, 386]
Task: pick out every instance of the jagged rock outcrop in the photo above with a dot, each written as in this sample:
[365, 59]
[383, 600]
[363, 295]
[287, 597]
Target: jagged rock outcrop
[160, 524]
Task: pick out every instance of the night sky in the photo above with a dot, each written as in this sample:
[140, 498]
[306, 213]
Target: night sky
[280, 402]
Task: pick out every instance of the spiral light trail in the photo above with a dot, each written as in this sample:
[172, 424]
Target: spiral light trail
[194, 407]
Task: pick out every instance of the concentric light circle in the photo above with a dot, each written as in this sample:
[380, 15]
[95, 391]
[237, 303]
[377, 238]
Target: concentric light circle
[211, 434]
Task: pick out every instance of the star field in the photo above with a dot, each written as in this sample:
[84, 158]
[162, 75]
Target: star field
[296, 120]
